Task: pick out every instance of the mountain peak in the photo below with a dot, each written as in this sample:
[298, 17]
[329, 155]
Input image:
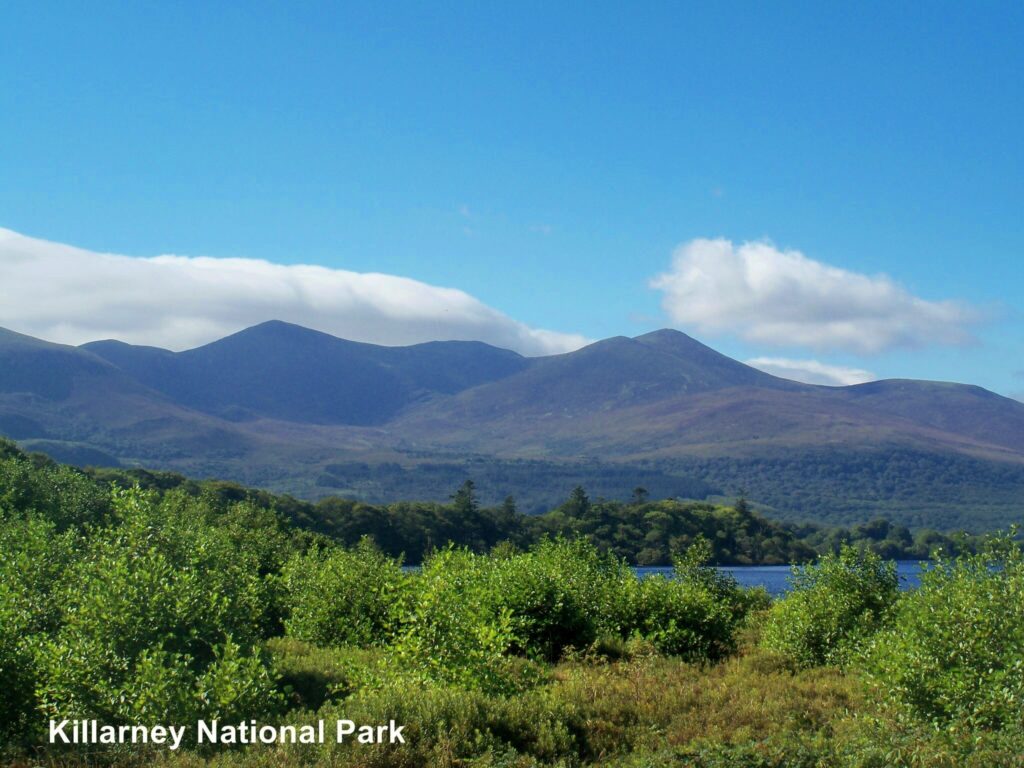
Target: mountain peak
[277, 338]
[667, 334]
[712, 367]
[278, 325]
[670, 339]
[278, 329]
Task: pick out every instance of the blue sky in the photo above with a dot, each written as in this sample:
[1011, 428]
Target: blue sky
[546, 161]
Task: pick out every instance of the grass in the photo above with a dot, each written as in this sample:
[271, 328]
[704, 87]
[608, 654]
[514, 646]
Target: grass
[642, 710]
[590, 711]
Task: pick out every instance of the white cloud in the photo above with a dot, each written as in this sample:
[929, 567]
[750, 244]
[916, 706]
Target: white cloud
[70, 295]
[812, 371]
[772, 296]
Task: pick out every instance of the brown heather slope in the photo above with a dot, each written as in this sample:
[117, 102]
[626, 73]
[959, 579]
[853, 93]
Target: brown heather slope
[667, 394]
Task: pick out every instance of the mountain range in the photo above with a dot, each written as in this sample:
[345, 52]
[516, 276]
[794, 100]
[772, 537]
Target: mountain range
[300, 411]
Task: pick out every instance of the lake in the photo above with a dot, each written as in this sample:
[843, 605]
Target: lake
[775, 578]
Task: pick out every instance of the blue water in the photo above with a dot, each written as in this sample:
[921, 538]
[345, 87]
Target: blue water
[775, 578]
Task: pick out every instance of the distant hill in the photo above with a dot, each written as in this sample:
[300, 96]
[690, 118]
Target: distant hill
[614, 374]
[75, 404]
[665, 394]
[282, 371]
[301, 411]
[52, 371]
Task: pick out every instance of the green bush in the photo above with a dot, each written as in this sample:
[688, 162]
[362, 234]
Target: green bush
[545, 617]
[694, 614]
[160, 618]
[17, 672]
[341, 596]
[684, 619]
[32, 558]
[560, 594]
[448, 725]
[60, 494]
[835, 605]
[310, 676]
[453, 631]
[955, 653]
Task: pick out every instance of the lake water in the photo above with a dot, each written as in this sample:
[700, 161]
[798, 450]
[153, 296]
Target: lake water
[775, 578]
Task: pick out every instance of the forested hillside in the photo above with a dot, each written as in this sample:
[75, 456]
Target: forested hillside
[644, 530]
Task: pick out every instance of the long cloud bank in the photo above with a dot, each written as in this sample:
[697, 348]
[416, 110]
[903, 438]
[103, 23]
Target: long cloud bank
[783, 298]
[70, 295]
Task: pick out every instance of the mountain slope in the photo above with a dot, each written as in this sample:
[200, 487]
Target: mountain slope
[610, 375]
[665, 394]
[301, 411]
[52, 371]
[970, 412]
[83, 405]
[281, 371]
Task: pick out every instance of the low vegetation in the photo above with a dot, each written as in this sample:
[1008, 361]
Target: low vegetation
[833, 608]
[165, 605]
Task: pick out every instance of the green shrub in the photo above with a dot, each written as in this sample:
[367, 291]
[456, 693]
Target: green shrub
[32, 558]
[835, 605]
[454, 632]
[310, 676]
[545, 617]
[261, 533]
[450, 726]
[160, 618]
[17, 670]
[872, 741]
[683, 618]
[60, 494]
[560, 594]
[955, 653]
[694, 614]
[341, 596]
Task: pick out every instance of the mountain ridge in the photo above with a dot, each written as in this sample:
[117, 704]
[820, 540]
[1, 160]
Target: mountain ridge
[278, 404]
[253, 374]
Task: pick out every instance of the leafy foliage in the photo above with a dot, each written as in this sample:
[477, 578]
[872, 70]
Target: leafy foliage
[60, 494]
[32, 557]
[835, 605]
[160, 621]
[695, 613]
[185, 600]
[560, 594]
[452, 632]
[955, 653]
[339, 596]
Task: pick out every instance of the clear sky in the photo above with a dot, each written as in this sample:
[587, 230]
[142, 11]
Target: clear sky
[549, 159]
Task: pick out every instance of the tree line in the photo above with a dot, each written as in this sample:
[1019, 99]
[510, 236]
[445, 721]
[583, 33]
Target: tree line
[641, 530]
